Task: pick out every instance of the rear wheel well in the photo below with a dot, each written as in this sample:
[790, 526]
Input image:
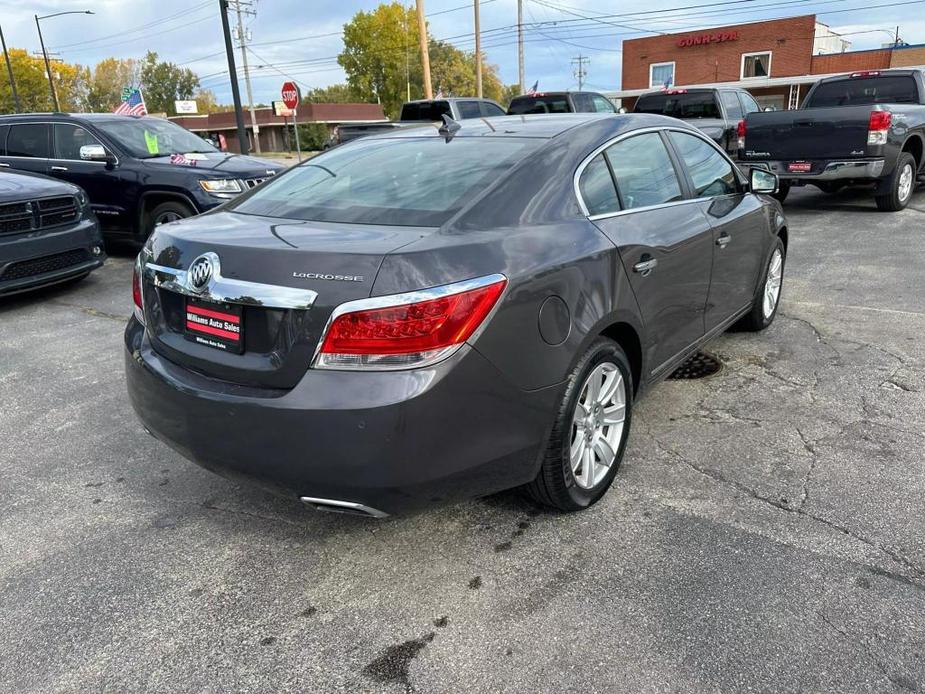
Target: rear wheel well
[625, 335]
[783, 236]
[914, 147]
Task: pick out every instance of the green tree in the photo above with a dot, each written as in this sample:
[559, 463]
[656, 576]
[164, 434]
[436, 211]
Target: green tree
[32, 84]
[334, 94]
[106, 81]
[452, 71]
[162, 83]
[508, 92]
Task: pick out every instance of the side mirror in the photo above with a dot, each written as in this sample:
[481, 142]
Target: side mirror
[763, 181]
[95, 153]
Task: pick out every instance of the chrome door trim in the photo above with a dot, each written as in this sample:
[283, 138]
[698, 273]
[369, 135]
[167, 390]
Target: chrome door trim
[229, 291]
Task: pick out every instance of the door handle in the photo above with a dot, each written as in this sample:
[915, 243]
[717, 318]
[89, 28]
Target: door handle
[645, 266]
[59, 168]
[723, 240]
[4, 165]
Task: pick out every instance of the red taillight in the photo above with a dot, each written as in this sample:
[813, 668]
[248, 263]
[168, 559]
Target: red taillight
[410, 333]
[740, 129]
[137, 298]
[880, 120]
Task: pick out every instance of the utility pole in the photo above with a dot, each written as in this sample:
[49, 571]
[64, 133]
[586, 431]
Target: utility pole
[243, 39]
[580, 72]
[9, 69]
[478, 53]
[425, 53]
[233, 73]
[520, 44]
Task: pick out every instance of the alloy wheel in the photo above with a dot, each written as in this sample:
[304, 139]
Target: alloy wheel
[166, 217]
[772, 283]
[597, 425]
[906, 181]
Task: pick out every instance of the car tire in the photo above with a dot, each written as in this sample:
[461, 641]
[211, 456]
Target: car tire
[901, 184]
[585, 425]
[763, 309]
[169, 211]
[783, 190]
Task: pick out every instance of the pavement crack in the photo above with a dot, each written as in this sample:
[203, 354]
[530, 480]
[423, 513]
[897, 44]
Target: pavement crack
[811, 449]
[90, 311]
[899, 682]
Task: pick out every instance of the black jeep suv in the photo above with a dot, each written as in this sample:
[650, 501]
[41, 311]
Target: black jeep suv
[48, 234]
[137, 171]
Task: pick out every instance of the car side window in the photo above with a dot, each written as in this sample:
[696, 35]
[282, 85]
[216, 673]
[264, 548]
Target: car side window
[749, 105]
[597, 188]
[710, 171]
[644, 171]
[602, 105]
[4, 129]
[733, 107]
[469, 109]
[28, 140]
[489, 109]
[69, 139]
[582, 103]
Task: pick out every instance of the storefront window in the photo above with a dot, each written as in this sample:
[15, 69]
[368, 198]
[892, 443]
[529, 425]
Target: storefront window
[756, 65]
[661, 74]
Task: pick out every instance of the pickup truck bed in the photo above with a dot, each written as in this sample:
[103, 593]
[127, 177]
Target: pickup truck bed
[866, 128]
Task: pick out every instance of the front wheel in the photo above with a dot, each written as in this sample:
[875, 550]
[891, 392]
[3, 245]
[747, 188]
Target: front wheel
[900, 186]
[166, 212]
[589, 435]
[764, 306]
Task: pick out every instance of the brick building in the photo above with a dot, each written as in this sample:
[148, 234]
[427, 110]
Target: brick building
[776, 60]
[275, 132]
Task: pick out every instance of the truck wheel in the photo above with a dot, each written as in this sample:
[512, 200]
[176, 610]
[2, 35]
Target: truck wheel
[589, 435]
[783, 191]
[169, 211]
[901, 184]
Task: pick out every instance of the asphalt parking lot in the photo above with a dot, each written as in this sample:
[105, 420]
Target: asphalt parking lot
[766, 532]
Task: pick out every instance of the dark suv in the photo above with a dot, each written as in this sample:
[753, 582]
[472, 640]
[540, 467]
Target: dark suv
[137, 171]
[560, 102]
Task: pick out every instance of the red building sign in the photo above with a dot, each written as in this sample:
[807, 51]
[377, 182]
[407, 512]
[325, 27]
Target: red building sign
[704, 39]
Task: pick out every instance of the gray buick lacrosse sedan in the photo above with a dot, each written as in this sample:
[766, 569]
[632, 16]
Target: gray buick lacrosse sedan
[434, 314]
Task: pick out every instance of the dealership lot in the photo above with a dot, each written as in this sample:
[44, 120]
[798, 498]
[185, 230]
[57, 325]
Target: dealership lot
[765, 533]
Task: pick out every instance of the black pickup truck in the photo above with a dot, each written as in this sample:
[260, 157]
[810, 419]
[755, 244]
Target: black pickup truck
[715, 112]
[864, 128]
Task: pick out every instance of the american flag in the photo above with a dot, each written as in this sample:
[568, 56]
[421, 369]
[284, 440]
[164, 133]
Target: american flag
[133, 103]
[532, 90]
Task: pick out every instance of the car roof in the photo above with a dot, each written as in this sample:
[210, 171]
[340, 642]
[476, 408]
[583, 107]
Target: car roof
[98, 117]
[544, 126]
[872, 73]
[540, 95]
[449, 98]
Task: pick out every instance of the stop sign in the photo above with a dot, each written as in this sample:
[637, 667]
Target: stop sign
[290, 94]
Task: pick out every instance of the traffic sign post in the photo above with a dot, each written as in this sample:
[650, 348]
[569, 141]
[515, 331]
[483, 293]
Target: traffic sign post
[291, 97]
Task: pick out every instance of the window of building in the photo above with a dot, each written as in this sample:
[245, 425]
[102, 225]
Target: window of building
[756, 64]
[661, 74]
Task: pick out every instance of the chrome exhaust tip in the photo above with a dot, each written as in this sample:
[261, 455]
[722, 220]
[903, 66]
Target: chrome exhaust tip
[337, 506]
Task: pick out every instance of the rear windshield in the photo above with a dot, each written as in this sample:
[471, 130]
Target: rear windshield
[398, 181]
[690, 105]
[425, 110]
[523, 105]
[864, 91]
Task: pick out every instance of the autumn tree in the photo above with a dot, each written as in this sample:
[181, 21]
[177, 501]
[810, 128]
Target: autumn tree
[333, 94]
[32, 84]
[106, 81]
[162, 83]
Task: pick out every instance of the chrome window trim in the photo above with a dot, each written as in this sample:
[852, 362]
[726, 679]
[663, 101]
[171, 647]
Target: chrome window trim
[413, 297]
[623, 136]
[229, 291]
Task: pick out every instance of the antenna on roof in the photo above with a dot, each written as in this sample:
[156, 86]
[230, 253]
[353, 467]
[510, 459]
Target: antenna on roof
[449, 128]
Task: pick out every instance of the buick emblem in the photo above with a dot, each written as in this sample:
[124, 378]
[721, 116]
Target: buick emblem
[200, 272]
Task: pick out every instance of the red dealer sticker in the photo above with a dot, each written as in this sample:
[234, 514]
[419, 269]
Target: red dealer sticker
[215, 325]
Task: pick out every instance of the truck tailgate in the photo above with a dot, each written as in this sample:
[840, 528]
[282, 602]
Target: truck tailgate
[817, 133]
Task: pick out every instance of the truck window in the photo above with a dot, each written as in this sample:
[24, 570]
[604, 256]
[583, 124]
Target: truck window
[489, 109]
[425, 110]
[864, 91]
[733, 107]
[680, 105]
[749, 105]
[602, 105]
[468, 109]
[523, 105]
[582, 102]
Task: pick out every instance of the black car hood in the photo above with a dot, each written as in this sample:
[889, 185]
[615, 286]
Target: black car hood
[222, 162]
[20, 185]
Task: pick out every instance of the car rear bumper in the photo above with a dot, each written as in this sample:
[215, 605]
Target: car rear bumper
[824, 171]
[38, 259]
[383, 442]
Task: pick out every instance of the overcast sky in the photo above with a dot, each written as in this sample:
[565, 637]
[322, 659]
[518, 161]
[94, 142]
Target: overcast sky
[302, 37]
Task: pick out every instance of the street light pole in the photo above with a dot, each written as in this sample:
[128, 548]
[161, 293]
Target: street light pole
[233, 73]
[51, 81]
[9, 68]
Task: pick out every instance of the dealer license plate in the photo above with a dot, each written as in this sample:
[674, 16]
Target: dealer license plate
[800, 167]
[215, 325]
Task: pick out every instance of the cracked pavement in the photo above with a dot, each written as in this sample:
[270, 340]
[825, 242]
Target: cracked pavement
[765, 533]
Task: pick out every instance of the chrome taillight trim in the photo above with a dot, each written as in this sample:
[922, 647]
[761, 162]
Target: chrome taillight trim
[390, 300]
[229, 291]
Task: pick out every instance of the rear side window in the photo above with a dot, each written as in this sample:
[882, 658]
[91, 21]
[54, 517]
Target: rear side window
[864, 91]
[681, 105]
[406, 181]
[710, 171]
[489, 109]
[28, 140]
[644, 172]
[597, 188]
[469, 109]
[732, 106]
[523, 105]
[749, 105]
[426, 111]
[602, 105]
[582, 102]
